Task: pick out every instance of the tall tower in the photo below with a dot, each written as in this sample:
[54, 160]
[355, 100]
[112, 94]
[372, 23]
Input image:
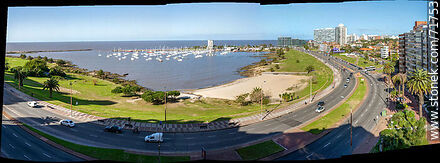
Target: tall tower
[341, 34]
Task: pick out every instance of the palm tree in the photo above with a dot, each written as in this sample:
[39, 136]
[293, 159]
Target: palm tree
[419, 83]
[400, 79]
[19, 74]
[388, 69]
[51, 84]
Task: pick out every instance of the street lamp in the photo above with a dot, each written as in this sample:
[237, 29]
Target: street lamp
[70, 83]
[166, 95]
[351, 130]
[261, 100]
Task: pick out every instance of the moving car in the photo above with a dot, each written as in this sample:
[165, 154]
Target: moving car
[156, 137]
[115, 129]
[348, 80]
[345, 85]
[321, 103]
[67, 122]
[32, 104]
[319, 109]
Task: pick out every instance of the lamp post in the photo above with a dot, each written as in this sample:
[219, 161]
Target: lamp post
[351, 130]
[71, 98]
[311, 89]
[166, 95]
[261, 100]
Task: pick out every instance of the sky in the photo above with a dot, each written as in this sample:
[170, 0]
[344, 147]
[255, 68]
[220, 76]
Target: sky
[209, 21]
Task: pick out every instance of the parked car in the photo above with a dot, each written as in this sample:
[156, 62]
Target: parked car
[115, 129]
[321, 103]
[32, 104]
[67, 122]
[319, 109]
[156, 137]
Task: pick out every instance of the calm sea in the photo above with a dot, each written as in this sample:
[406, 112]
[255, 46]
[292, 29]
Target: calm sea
[170, 74]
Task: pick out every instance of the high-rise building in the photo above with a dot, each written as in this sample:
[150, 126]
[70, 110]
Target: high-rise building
[341, 34]
[324, 35]
[384, 52]
[210, 44]
[414, 48]
[288, 41]
[284, 41]
[352, 38]
[402, 63]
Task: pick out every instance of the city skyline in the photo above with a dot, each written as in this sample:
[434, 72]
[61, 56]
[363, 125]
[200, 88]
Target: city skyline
[214, 21]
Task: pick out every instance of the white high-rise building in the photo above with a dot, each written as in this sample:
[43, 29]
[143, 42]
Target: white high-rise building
[364, 37]
[341, 34]
[210, 44]
[324, 35]
[384, 52]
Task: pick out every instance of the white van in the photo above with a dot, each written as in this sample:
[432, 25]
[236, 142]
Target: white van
[156, 137]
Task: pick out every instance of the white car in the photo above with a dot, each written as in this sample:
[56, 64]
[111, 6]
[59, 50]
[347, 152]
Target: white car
[32, 104]
[319, 109]
[156, 137]
[68, 123]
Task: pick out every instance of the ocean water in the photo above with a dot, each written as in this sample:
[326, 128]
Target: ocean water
[191, 73]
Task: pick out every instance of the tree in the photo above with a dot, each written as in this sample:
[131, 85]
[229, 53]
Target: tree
[400, 79]
[127, 90]
[60, 62]
[22, 56]
[157, 97]
[287, 96]
[57, 71]
[388, 69]
[419, 83]
[241, 99]
[404, 131]
[100, 74]
[173, 94]
[310, 68]
[6, 66]
[19, 74]
[256, 95]
[51, 84]
[36, 67]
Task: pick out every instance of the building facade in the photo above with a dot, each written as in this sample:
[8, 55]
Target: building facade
[384, 52]
[341, 34]
[210, 44]
[414, 49]
[284, 41]
[324, 35]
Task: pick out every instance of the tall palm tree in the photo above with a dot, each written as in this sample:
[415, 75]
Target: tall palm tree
[51, 84]
[388, 69]
[400, 79]
[419, 83]
[19, 74]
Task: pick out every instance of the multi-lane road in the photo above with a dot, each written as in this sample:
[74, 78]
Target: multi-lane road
[93, 135]
[18, 144]
[337, 142]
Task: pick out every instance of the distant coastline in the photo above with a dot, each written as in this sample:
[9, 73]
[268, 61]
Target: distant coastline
[38, 51]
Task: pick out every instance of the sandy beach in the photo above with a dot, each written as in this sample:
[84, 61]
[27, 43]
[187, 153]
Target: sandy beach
[272, 85]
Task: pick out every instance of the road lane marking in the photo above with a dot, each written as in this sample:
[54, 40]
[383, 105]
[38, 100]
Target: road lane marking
[74, 130]
[14, 135]
[210, 136]
[338, 136]
[12, 146]
[93, 135]
[309, 156]
[27, 144]
[326, 145]
[27, 157]
[189, 138]
[46, 155]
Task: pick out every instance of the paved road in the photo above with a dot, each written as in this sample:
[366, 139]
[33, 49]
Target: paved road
[20, 145]
[93, 135]
[337, 142]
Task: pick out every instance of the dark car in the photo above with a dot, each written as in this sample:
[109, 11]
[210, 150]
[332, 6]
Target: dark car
[321, 103]
[115, 129]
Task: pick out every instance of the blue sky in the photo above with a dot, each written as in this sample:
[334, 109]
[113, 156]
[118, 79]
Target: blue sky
[202, 21]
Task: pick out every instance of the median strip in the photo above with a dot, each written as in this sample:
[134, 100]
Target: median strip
[260, 150]
[340, 112]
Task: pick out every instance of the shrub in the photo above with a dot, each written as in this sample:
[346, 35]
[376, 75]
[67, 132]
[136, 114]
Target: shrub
[56, 71]
[36, 67]
[60, 62]
[22, 56]
[241, 99]
[157, 97]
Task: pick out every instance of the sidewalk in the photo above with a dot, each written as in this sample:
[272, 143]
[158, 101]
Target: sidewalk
[176, 128]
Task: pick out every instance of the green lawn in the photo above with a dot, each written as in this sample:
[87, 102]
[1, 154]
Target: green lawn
[359, 61]
[337, 114]
[323, 74]
[259, 151]
[109, 154]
